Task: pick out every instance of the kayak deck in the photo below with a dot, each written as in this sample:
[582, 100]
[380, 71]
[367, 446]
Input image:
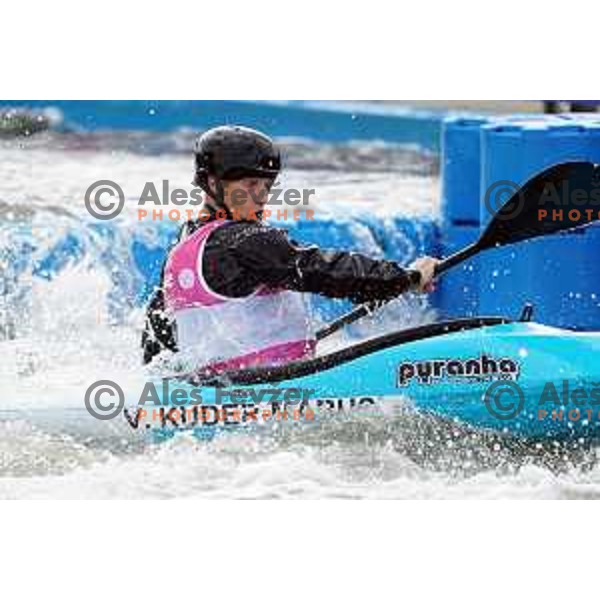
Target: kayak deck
[488, 372]
[262, 375]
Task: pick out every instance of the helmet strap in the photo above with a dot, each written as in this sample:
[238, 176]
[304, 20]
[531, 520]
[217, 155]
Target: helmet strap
[219, 196]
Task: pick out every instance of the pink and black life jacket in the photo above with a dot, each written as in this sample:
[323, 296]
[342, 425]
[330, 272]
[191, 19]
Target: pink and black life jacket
[268, 327]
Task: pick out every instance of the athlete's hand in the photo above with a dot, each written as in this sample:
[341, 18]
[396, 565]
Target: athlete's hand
[426, 266]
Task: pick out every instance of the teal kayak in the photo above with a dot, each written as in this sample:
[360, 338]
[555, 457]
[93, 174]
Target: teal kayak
[514, 378]
[518, 378]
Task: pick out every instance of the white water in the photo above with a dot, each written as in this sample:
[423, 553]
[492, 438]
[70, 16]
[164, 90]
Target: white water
[66, 338]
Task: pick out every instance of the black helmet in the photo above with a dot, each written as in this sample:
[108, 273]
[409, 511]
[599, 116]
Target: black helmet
[234, 152]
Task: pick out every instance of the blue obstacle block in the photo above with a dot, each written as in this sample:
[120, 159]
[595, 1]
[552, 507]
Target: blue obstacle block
[461, 166]
[461, 162]
[591, 122]
[548, 270]
[557, 274]
[594, 132]
[514, 151]
[457, 293]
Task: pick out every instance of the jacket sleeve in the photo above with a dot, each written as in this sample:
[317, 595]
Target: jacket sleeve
[269, 257]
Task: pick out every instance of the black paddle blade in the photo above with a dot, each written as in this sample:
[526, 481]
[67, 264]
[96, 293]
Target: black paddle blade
[562, 197]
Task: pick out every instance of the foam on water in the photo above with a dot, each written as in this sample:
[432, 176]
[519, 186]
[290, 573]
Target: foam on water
[252, 466]
[63, 336]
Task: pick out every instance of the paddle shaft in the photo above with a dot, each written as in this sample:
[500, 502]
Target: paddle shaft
[457, 258]
[358, 313]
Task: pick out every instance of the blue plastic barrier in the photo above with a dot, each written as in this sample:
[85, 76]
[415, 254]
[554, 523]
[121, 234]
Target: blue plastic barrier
[591, 122]
[461, 162]
[555, 272]
[461, 168]
[514, 151]
[558, 275]
[457, 293]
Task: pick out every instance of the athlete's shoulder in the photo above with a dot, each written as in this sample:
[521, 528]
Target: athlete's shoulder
[242, 233]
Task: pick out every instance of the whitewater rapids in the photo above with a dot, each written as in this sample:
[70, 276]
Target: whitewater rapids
[59, 333]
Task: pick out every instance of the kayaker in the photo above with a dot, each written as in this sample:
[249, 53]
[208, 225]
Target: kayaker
[232, 289]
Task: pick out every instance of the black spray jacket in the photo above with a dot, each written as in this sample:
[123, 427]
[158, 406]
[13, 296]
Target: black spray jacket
[247, 254]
